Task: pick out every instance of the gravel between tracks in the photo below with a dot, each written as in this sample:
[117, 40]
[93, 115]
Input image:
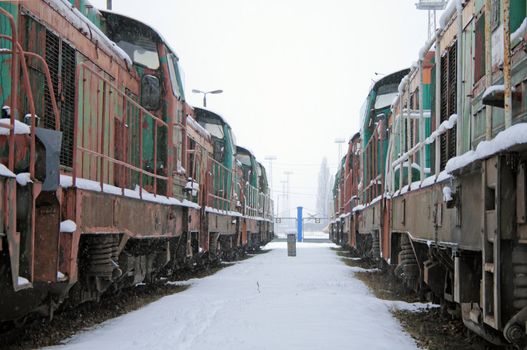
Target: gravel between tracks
[432, 328]
[42, 332]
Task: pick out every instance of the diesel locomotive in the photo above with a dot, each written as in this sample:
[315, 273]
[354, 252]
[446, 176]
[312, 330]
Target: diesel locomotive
[434, 185]
[108, 178]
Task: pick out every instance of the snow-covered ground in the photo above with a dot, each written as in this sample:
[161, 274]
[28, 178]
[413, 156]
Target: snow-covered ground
[271, 301]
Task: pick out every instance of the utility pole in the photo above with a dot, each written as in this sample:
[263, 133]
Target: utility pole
[270, 160]
[109, 5]
[287, 174]
[284, 196]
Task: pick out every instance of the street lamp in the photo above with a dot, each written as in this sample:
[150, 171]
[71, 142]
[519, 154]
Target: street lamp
[205, 94]
[431, 6]
[270, 159]
[339, 141]
[287, 174]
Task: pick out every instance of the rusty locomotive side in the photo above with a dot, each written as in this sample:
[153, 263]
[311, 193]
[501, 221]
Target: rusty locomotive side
[441, 187]
[108, 177]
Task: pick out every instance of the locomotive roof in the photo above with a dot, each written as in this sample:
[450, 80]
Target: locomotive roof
[355, 136]
[392, 78]
[243, 149]
[214, 114]
[88, 28]
[159, 36]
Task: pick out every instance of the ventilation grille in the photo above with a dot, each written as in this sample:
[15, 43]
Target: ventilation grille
[52, 59]
[67, 109]
[61, 60]
[448, 101]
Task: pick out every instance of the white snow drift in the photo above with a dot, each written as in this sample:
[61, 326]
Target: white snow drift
[271, 301]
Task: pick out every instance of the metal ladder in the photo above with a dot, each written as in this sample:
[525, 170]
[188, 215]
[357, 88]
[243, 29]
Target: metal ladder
[498, 225]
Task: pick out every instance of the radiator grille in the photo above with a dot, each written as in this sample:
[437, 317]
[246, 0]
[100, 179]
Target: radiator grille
[452, 107]
[52, 59]
[67, 108]
[448, 101]
[61, 60]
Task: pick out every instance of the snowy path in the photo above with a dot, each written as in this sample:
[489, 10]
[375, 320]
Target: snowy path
[270, 301]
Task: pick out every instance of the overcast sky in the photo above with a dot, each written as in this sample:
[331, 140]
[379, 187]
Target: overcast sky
[294, 72]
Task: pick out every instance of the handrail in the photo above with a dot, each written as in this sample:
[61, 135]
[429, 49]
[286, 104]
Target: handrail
[106, 80]
[14, 88]
[107, 117]
[18, 51]
[222, 176]
[373, 174]
[251, 206]
[46, 74]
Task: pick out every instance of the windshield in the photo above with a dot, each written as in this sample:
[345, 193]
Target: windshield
[215, 130]
[175, 82]
[245, 159]
[135, 38]
[141, 51]
[384, 100]
[385, 95]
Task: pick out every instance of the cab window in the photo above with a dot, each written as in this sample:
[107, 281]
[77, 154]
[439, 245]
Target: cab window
[175, 80]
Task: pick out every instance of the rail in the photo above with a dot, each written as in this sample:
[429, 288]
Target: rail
[94, 155]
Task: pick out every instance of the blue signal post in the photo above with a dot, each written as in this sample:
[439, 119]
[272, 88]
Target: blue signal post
[300, 222]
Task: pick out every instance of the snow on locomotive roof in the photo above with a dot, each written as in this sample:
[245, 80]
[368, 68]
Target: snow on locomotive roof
[88, 28]
[393, 77]
[245, 149]
[154, 30]
[201, 130]
[449, 12]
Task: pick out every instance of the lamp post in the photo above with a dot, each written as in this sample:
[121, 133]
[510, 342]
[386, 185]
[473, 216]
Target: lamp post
[339, 141]
[287, 174]
[270, 160]
[205, 94]
[431, 6]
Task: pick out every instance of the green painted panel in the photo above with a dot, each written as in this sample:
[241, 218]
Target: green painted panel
[5, 60]
[517, 13]
[479, 5]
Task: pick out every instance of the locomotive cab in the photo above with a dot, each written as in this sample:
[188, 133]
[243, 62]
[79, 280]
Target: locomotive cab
[223, 140]
[263, 184]
[223, 157]
[374, 114]
[249, 165]
[161, 93]
[249, 182]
